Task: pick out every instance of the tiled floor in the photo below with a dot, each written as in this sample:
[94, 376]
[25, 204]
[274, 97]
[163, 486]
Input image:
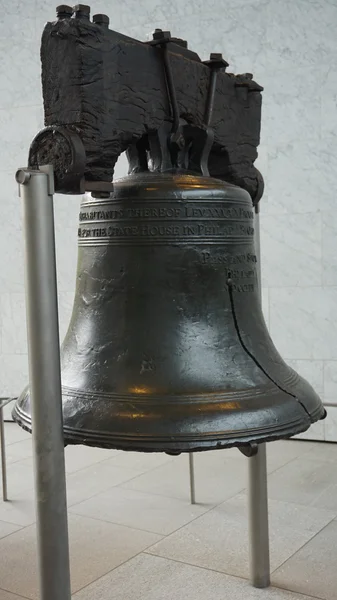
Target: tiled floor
[135, 536]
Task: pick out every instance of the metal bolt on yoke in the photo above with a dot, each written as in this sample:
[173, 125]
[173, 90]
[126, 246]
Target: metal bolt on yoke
[82, 11]
[63, 11]
[100, 19]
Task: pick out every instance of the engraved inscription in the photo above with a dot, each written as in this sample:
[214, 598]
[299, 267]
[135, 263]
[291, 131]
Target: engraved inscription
[198, 221]
[246, 287]
[197, 230]
[181, 212]
[129, 231]
[240, 267]
[227, 259]
[209, 212]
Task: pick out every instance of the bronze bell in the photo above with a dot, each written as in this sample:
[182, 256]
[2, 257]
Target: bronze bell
[167, 348]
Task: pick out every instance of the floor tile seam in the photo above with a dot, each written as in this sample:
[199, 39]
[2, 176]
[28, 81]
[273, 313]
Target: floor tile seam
[71, 512]
[94, 464]
[8, 522]
[22, 528]
[12, 462]
[213, 507]
[311, 455]
[183, 562]
[324, 492]
[69, 473]
[17, 441]
[162, 535]
[179, 498]
[189, 522]
[169, 460]
[298, 505]
[32, 488]
[3, 537]
[307, 458]
[164, 558]
[157, 495]
[286, 463]
[155, 467]
[302, 532]
[119, 466]
[303, 546]
[104, 491]
[303, 442]
[331, 520]
[240, 578]
[121, 485]
[301, 505]
[93, 496]
[8, 445]
[245, 492]
[14, 593]
[304, 594]
[155, 532]
[19, 525]
[113, 569]
[20, 491]
[153, 493]
[272, 572]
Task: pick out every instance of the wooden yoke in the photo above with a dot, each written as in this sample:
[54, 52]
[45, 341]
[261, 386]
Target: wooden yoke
[105, 93]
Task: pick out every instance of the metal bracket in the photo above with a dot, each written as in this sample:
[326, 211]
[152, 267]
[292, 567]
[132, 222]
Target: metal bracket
[23, 175]
[249, 450]
[63, 148]
[178, 144]
[49, 170]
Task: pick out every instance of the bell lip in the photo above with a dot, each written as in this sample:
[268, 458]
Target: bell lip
[183, 444]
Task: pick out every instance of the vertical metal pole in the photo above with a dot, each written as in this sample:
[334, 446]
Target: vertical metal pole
[192, 480]
[36, 190]
[3, 456]
[257, 488]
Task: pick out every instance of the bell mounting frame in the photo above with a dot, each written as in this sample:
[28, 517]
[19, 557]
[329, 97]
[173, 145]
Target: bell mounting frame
[188, 115]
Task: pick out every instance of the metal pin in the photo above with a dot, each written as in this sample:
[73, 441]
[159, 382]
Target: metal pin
[102, 20]
[215, 63]
[63, 11]
[82, 11]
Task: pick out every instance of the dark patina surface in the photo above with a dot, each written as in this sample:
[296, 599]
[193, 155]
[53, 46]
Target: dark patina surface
[103, 92]
[167, 348]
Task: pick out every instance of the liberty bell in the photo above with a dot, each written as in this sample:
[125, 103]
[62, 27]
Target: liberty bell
[167, 348]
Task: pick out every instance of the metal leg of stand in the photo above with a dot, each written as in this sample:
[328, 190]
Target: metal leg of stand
[257, 489]
[36, 190]
[3, 457]
[258, 519]
[192, 480]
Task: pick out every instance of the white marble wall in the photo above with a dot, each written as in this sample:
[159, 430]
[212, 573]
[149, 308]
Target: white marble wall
[291, 47]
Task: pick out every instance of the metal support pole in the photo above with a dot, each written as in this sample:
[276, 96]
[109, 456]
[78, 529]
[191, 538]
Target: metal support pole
[257, 489]
[192, 480]
[36, 190]
[3, 456]
[258, 519]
